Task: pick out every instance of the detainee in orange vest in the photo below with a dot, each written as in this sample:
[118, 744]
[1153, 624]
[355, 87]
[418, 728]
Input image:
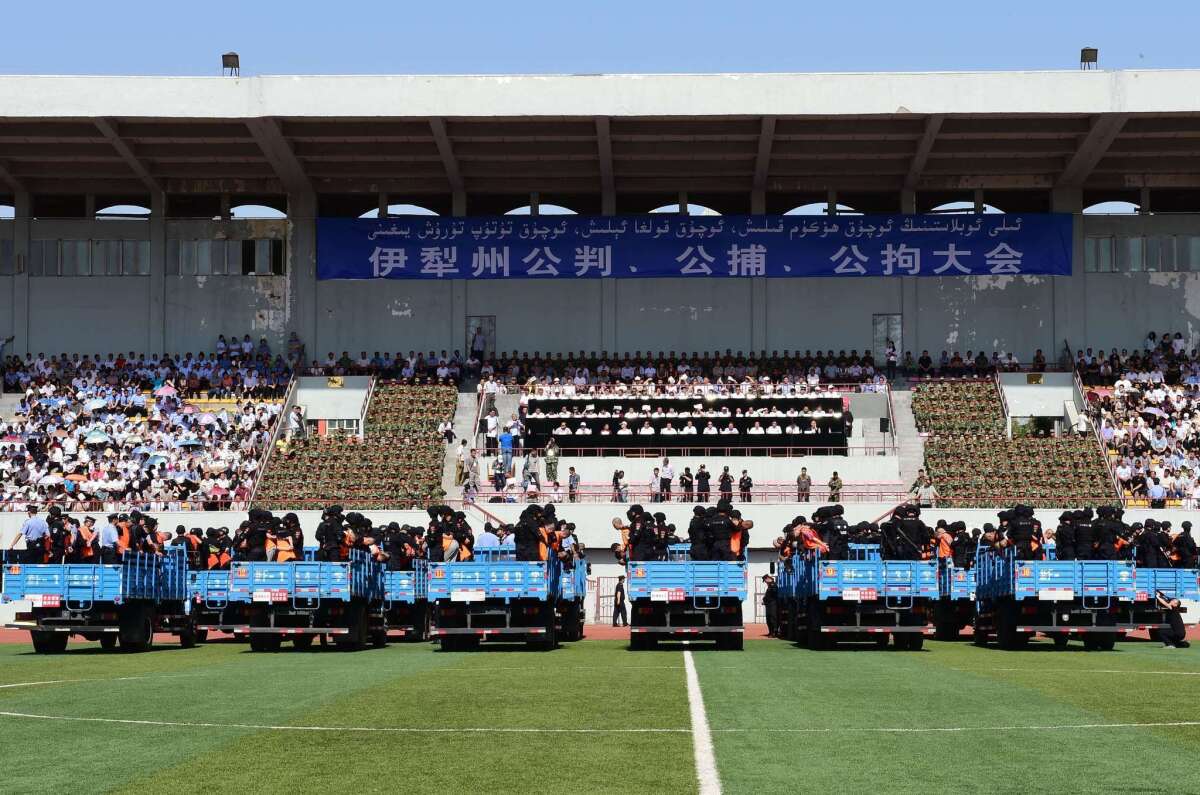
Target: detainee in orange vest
[85, 548]
[739, 539]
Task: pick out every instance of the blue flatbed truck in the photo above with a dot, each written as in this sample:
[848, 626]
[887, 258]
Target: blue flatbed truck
[1061, 599]
[495, 598]
[1143, 612]
[112, 603]
[955, 607]
[209, 591]
[862, 598]
[684, 599]
[303, 600]
[405, 607]
[571, 609]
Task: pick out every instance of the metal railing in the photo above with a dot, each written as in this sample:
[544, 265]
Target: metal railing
[772, 493]
[280, 422]
[362, 416]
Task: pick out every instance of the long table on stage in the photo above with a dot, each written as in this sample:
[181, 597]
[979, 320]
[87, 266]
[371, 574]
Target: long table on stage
[543, 415]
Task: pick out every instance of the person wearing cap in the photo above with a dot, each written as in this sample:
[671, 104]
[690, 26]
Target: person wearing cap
[35, 531]
[107, 539]
[1183, 548]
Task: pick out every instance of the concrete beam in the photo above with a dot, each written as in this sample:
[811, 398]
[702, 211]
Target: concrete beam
[269, 137]
[608, 191]
[1103, 131]
[108, 128]
[933, 125]
[762, 163]
[12, 182]
[450, 163]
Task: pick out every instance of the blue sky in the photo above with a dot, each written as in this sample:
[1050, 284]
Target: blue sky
[301, 37]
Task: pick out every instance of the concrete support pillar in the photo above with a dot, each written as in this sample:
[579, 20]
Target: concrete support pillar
[608, 203]
[831, 202]
[89, 206]
[383, 205]
[1144, 207]
[302, 270]
[758, 202]
[535, 203]
[1066, 324]
[226, 206]
[156, 327]
[758, 314]
[978, 199]
[22, 232]
[608, 315]
[458, 316]
[683, 202]
[908, 201]
[458, 203]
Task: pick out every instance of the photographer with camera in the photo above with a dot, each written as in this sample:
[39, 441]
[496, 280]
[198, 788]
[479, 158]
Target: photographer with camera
[1175, 636]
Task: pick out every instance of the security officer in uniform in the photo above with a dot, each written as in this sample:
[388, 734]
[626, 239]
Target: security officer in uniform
[1085, 535]
[1064, 536]
[698, 536]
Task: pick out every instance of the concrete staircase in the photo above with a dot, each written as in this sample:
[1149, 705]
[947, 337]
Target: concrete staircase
[910, 447]
[464, 428]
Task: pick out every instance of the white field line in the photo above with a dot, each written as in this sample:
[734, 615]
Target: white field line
[623, 730]
[702, 746]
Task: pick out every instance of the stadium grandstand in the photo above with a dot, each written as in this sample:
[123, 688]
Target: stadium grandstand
[368, 321]
[374, 339]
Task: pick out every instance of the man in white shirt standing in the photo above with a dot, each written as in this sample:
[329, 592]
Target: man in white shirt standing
[666, 474]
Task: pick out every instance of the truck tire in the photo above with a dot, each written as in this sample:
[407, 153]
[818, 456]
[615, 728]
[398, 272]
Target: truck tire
[817, 640]
[187, 637]
[108, 641]
[379, 637]
[1060, 641]
[136, 629]
[303, 642]
[49, 642]
[913, 642]
[356, 623]
[637, 641]
[545, 642]
[202, 636]
[730, 641]
[946, 631]
[881, 641]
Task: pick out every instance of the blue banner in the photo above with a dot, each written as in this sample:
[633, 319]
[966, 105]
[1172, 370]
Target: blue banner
[591, 247]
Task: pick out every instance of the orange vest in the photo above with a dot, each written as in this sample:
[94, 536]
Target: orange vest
[124, 538]
[284, 549]
[87, 552]
[943, 545]
[543, 543]
[736, 540]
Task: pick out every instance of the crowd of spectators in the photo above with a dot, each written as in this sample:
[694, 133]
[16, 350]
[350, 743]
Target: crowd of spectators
[1146, 408]
[396, 465]
[970, 461]
[130, 430]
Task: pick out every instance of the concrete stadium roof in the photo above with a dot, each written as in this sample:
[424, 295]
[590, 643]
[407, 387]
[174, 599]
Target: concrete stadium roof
[603, 142]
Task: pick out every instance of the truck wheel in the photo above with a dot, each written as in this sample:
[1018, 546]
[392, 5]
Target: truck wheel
[733, 641]
[1061, 641]
[49, 642]
[946, 631]
[881, 641]
[379, 638]
[356, 623]
[449, 643]
[136, 629]
[264, 643]
[108, 641]
[637, 641]
[202, 636]
[914, 642]
[187, 637]
[545, 642]
[1105, 644]
[303, 642]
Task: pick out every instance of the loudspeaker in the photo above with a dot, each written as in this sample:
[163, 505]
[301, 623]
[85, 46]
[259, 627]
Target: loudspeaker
[885, 425]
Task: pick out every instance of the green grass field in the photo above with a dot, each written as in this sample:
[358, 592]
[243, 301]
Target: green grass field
[783, 719]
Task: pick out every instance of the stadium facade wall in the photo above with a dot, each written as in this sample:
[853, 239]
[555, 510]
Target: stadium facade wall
[163, 311]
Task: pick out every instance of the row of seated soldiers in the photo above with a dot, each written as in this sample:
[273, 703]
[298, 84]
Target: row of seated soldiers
[1080, 535]
[716, 532]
